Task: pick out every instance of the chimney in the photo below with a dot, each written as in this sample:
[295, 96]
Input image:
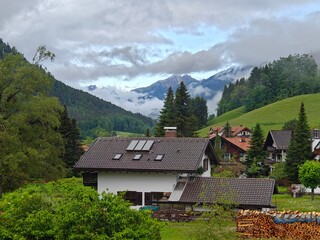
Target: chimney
[170, 132]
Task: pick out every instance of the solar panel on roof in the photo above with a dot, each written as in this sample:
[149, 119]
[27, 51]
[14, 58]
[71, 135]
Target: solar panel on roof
[132, 145]
[140, 145]
[148, 145]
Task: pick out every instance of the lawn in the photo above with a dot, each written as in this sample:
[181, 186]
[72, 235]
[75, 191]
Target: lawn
[180, 231]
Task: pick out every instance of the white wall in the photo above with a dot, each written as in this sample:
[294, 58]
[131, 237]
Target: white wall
[139, 181]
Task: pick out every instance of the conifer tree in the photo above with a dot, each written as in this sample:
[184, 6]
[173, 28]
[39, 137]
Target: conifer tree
[71, 136]
[166, 118]
[217, 147]
[299, 149]
[256, 153]
[184, 120]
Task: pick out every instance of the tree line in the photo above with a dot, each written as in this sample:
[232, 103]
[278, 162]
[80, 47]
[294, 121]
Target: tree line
[287, 77]
[39, 141]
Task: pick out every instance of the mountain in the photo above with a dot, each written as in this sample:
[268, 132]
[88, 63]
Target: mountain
[149, 100]
[206, 88]
[94, 115]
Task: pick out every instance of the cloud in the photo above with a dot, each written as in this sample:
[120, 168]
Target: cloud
[125, 39]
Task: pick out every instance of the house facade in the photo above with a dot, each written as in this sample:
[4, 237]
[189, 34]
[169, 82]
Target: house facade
[276, 144]
[148, 170]
[166, 172]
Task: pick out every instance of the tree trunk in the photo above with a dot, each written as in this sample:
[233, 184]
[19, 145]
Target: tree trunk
[312, 194]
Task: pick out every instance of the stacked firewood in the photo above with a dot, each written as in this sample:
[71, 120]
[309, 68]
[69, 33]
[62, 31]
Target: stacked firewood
[292, 224]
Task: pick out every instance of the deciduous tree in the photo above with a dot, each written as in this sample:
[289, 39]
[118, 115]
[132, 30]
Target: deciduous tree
[309, 175]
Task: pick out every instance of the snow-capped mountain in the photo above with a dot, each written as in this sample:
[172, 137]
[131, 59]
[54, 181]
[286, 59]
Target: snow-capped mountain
[149, 100]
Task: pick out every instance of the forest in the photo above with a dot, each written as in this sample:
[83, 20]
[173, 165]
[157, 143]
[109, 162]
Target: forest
[287, 77]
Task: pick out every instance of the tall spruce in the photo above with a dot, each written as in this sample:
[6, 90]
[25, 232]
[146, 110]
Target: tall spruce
[166, 118]
[184, 120]
[299, 149]
[227, 130]
[256, 153]
[200, 110]
[72, 144]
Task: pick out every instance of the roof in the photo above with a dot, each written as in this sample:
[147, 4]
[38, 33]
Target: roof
[240, 142]
[243, 191]
[235, 130]
[281, 138]
[180, 155]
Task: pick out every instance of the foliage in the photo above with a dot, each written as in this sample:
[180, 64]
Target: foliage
[199, 109]
[93, 114]
[166, 118]
[279, 173]
[227, 130]
[230, 170]
[272, 116]
[256, 154]
[290, 125]
[300, 146]
[67, 210]
[71, 138]
[217, 147]
[289, 76]
[309, 175]
[217, 221]
[30, 144]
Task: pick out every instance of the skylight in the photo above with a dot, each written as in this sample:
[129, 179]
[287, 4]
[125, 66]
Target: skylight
[159, 157]
[117, 156]
[137, 157]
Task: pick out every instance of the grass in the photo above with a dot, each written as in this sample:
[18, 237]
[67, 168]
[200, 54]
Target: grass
[303, 204]
[272, 116]
[185, 230]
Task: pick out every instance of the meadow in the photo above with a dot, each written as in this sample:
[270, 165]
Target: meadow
[187, 230]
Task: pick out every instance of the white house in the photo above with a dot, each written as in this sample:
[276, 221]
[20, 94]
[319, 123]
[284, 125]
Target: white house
[159, 171]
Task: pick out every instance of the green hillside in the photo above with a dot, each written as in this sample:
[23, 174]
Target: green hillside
[272, 116]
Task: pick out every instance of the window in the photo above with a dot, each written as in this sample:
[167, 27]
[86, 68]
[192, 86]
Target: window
[134, 197]
[227, 156]
[137, 157]
[117, 156]
[205, 164]
[159, 157]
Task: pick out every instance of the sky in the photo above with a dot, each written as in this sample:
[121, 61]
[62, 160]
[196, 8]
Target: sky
[126, 44]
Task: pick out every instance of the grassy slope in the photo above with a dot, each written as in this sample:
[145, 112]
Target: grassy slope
[272, 116]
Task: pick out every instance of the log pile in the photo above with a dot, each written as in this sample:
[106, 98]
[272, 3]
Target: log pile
[262, 225]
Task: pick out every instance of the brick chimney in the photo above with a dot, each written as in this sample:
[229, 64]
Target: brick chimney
[170, 132]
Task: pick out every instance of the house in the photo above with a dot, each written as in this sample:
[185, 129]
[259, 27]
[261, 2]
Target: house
[148, 169]
[236, 145]
[158, 171]
[315, 133]
[236, 131]
[276, 144]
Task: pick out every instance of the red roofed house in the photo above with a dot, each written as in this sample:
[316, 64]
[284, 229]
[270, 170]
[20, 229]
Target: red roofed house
[235, 146]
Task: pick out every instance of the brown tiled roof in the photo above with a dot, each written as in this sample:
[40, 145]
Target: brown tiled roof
[234, 130]
[180, 154]
[244, 191]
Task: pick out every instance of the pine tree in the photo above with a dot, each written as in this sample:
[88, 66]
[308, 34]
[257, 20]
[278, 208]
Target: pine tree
[299, 149]
[166, 118]
[256, 153]
[184, 121]
[217, 147]
[71, 136]
[200, 110]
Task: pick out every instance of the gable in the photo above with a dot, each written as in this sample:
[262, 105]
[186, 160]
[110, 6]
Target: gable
[280, 139]
[145, 154]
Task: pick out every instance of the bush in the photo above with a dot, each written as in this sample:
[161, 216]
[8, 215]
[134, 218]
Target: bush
[67, 210]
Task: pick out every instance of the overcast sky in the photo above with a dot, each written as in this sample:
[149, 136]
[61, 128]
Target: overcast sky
[131, 43]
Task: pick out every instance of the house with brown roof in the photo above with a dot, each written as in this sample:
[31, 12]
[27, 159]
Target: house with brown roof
[158, 171]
